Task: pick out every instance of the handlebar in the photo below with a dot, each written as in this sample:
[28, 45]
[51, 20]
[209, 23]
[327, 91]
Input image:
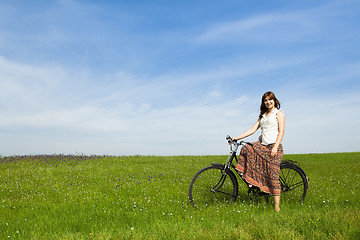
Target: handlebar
[230, 141]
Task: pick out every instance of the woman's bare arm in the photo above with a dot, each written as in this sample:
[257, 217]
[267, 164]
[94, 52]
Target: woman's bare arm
[281, 125]
[248, 132]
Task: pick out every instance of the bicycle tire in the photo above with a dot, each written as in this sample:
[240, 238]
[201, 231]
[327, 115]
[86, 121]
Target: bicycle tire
[294, 183]
[213, 184]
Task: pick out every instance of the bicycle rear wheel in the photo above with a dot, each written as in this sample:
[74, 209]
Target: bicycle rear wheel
[294, 183]
[213, 184]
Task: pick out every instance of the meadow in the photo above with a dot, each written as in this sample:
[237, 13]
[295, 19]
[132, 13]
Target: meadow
[145, 197]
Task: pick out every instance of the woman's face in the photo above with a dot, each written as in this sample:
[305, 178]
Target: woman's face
[269, 103]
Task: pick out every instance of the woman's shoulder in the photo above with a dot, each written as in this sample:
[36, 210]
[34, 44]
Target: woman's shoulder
[280, 113]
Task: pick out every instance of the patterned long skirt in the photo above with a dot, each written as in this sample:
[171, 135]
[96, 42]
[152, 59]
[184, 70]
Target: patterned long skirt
[259, 168]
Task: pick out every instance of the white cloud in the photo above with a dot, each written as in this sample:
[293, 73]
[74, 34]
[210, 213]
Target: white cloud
[21, 81]
[119, 117]
[311, 24]
[263, 28]
[46, 111]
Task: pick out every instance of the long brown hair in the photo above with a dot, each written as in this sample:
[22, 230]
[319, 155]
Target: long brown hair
[263, 108]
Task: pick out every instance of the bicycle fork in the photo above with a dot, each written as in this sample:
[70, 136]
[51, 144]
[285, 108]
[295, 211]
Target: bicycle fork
[220, 184]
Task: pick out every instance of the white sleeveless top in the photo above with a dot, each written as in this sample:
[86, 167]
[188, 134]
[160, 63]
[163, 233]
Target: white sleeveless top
[270, 128]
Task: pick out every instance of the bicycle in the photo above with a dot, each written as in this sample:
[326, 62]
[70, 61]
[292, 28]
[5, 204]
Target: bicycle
[218, 182]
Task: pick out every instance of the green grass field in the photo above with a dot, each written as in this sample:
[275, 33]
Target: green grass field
[145, 197]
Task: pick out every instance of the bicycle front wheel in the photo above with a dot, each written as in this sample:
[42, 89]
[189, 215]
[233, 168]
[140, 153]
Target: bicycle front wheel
[294, 183]
[213, 184]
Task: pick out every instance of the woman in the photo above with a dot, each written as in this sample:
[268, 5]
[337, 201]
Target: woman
[259, 164]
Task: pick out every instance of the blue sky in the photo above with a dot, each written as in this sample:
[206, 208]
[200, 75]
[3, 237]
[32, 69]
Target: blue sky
[175, 77]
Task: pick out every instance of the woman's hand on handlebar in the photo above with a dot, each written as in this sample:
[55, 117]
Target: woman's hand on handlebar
[230, 140]
[233, 140]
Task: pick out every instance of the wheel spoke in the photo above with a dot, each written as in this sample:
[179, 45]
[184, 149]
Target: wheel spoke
[293, 183]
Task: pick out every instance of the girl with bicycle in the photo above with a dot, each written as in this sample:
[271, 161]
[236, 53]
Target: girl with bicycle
[259, 164]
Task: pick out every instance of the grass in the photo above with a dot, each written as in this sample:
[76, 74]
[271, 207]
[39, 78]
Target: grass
[145, 197]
